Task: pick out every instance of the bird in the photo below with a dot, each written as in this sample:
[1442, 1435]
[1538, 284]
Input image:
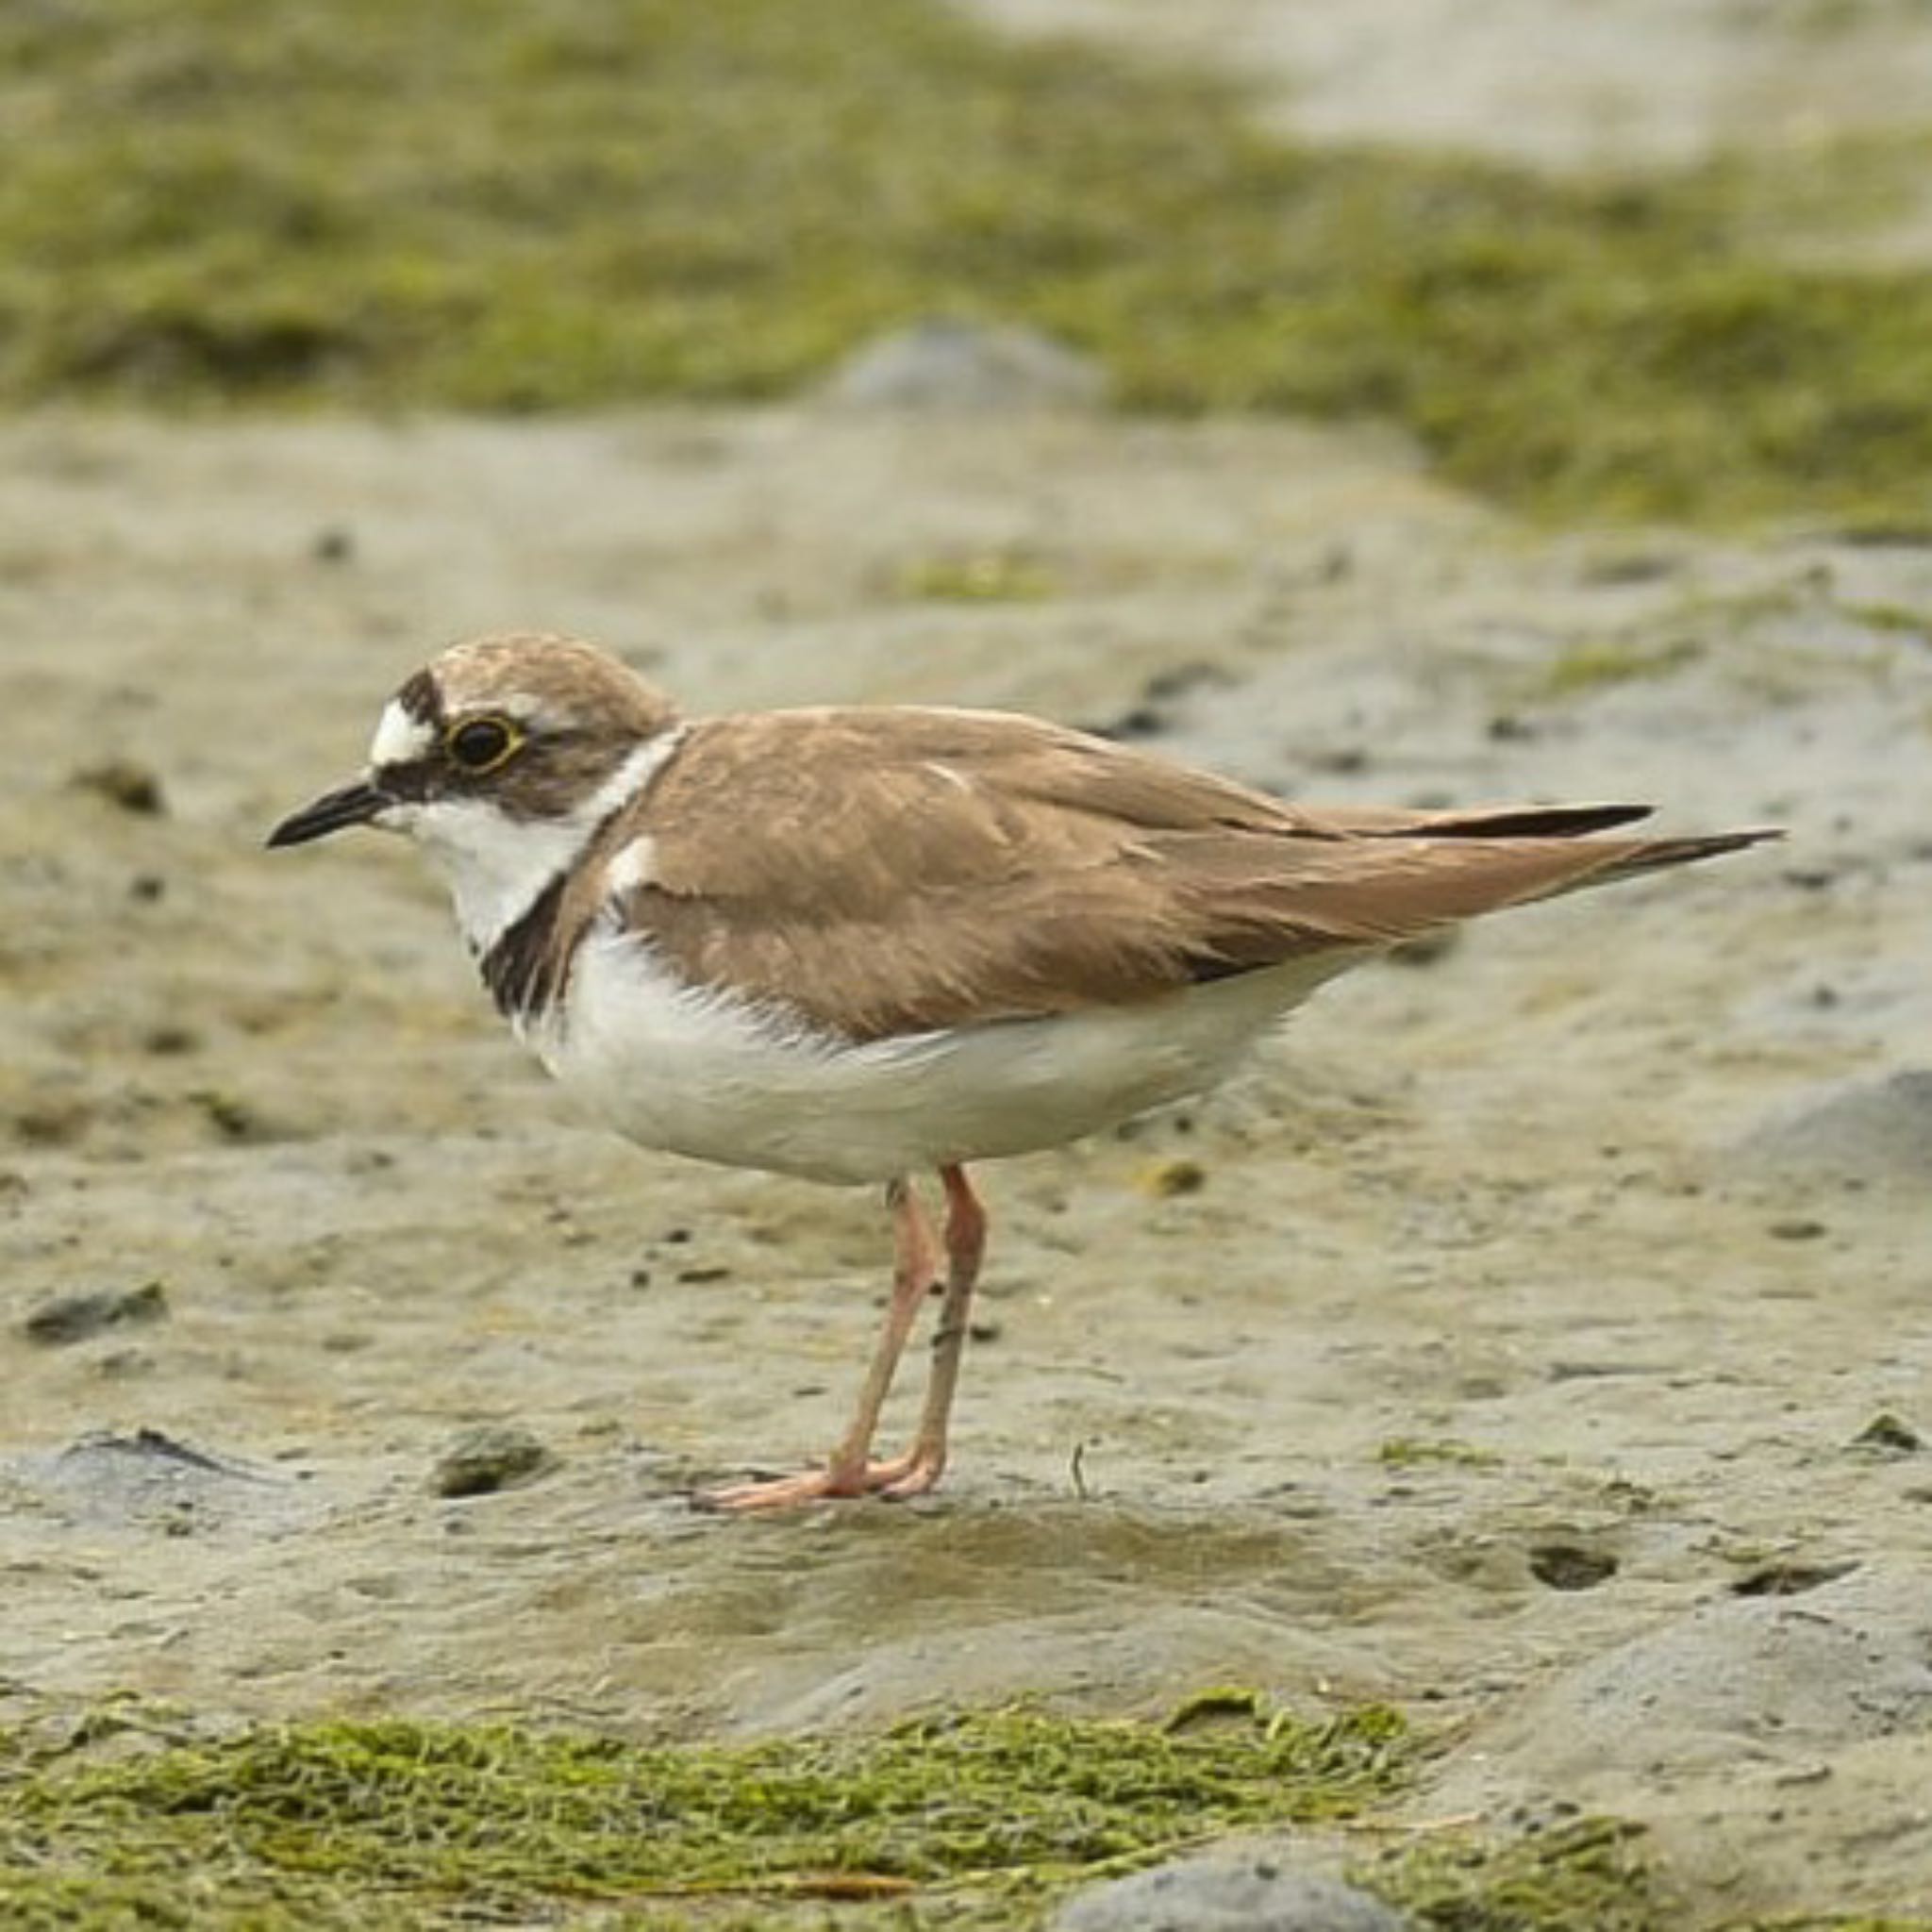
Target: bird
[863, 944]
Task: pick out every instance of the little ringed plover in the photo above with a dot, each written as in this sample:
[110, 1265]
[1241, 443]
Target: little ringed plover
[861, 944]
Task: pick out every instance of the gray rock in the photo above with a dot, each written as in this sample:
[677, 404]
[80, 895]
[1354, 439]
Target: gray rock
[973, 368]
[1224, 1891]
[1872, 1133]
[147, 1481]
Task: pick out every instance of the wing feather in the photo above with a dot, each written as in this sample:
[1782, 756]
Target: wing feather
[886, 871]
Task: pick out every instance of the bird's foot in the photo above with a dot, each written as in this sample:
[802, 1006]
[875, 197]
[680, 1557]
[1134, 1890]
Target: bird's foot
[895, 1479]
[911, 1474]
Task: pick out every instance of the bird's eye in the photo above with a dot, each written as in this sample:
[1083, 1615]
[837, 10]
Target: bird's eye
[480, 744]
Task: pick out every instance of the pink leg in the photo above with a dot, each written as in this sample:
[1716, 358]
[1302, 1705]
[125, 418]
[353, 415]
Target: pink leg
[917, 1472]
[849, 1471]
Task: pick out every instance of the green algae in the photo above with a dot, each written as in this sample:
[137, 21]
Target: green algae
[1599, 662]
[1908, 620]
[1007, 575]
[132, 1817]
[344, 1823]
[1584, 1875]
[1417, 1452]
[511, 206]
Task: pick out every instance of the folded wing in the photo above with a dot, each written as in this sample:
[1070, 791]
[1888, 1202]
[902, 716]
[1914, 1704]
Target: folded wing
[892, 871]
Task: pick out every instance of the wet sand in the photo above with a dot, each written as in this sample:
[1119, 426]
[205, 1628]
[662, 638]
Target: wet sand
[1499, 1346]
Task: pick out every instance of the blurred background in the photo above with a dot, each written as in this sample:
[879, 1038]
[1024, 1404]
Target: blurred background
[1649, 256]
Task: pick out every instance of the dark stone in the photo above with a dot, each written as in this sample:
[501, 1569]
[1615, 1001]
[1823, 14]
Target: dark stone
[70, 1317]
[488, 1457]
[123, 782]
[1790, 1579]
[1889, 1435]
[1569, 1566]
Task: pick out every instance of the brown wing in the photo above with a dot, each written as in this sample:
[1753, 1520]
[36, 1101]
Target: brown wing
[888, 872]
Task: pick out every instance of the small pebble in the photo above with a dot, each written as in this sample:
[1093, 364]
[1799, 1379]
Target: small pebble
[1569, 1566]
[1344, 761]
[944, 364]
[1889, 1434]
[1166, 1179]
[1136, 720]
[1178, 680]
[1426, 948]
[70, 1317]
[169, 1039]
[1790, 1579]
[231, 1117]
[124, 1364]
[491, 1456]
[135, 787]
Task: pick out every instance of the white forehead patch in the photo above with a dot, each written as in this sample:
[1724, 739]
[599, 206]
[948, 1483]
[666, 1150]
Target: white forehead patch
[399, 738]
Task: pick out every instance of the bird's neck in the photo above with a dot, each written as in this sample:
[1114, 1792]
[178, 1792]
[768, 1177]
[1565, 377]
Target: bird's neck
[498, 866]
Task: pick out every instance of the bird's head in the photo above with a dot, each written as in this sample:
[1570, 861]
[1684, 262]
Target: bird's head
[501, 758]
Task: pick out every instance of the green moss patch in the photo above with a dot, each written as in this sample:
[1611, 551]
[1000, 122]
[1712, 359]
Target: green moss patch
[1419, 1451]
[1582, 1876]
[990, 576]
[132, 1819]
[512, 205]
[353, 1824]
[1602, 661]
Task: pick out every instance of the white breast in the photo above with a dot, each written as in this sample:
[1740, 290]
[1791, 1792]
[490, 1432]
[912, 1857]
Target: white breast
[681, 1069]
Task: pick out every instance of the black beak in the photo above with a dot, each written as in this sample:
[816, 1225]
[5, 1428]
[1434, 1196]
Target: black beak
[350, 804]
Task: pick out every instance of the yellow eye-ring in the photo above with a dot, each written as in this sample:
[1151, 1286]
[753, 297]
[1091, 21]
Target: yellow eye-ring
[480, 744]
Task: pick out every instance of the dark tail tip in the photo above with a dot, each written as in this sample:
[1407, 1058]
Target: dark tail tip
[1658, 853]
[1528, 821]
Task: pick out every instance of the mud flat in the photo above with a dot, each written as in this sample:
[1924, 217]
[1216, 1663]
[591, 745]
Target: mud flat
[1538, 1340]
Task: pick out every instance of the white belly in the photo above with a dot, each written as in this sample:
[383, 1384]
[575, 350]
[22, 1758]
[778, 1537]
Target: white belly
[684, 1071]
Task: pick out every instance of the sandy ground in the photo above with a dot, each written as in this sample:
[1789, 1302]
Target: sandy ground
[1566, 86]
[1618, 1208]
[1556, 83]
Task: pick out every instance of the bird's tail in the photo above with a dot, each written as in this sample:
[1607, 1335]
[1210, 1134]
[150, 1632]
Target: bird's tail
[1628, 859]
